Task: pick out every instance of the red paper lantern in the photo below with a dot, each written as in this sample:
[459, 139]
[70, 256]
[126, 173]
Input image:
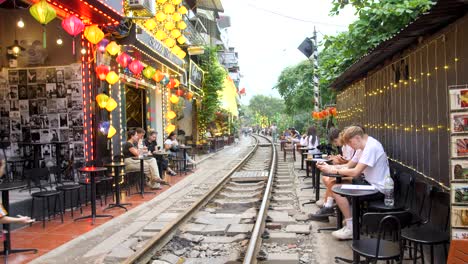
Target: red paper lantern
[123, 59]
[102, 71]
[189, 96]
[158, 76]
[333, 111]
[171, 83]
[324, 113]
[73, 26]
[136, 67]
[179, 92]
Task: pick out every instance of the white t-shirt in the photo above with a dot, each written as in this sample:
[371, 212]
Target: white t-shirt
[348, 152]
[170, 142]
[373, 155]
[307, 142]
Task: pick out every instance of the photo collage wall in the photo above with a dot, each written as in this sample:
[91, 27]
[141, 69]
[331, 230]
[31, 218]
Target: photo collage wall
[42, 104]
[459, 163]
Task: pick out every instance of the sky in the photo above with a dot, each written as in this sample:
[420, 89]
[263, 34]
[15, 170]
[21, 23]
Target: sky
[266, 34]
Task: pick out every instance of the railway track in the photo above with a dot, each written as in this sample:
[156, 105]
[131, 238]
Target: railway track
[226, 224]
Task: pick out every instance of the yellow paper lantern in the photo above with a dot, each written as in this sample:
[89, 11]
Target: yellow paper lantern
[102, 100]
[181, 25]
[170, 128]
[112, 132]
[150, 24]
[177, 83]
[160, 16]
[183, 10]
[177, 17]
[169, 25]
[176, 2]
[93, 34]
[162, 1]
[161, 35]
[112, 77]
[171, 115]
[113, 48]
[170, 42]
[175, 49]
[181, 40]
[111, 104]
[169, 8]
[181, 54]
[174, 99]
[175, 33]
[43, 13]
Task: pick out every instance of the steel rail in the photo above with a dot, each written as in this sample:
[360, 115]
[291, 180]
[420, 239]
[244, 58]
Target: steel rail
[256, 238]
[145, 253]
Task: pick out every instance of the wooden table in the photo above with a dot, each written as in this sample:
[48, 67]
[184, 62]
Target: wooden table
[5, 188]
[117, 167]
[355, 196]
[142, 174]
[92, 174]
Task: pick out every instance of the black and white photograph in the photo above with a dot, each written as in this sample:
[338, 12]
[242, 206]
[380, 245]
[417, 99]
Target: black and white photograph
[42, 105]
[45, 135]
[62, 105]
[15, 126]
[41, 90]
[15, 137]
[32, 91]
[26, 133]
[54, 120]
[13, 92]
[60, 76]
[78, 134]
[69, 100]
[64, 134]
[51, 75]
[54, 135]
[4, 109]
[14, 105]
[78, 150]
[52, 105]
[77, 104]
[24, 106]
[35, 135]
[46, 150]
[15, 115]
[51, 89]
[76, 119]
[63, 118]
[41, 75]
[32, 76]
[61, 90]
[25, 122]
[75, 88]
[23, 77]
[13, 77]
[73, 72]
[22, 92]
[39, 121]
[33, 107]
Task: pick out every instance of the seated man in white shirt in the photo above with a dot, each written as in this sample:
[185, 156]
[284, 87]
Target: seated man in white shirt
[373, 163]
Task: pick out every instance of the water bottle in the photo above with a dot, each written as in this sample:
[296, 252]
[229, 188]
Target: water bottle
[140, 149]
[388, 191]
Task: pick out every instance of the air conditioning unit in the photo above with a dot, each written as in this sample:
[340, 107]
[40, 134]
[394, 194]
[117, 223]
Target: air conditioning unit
[148, 6]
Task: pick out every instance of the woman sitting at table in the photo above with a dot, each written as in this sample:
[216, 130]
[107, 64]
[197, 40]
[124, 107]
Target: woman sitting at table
[130, 150]
[373, 163]
[311, 141]
[172, 145]
[151, 144]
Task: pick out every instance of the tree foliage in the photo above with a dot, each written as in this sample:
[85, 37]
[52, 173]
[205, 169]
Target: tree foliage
[266, 106]
[377, 21]
[213, 82]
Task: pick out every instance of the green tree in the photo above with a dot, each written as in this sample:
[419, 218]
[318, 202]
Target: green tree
[265, 106]
[213, 82]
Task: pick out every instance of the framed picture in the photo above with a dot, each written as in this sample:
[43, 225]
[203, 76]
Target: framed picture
[459, 216]
[459, 193]
[459, 146]
[459, 233]
[458, 97]
[459, 170]
[459, 122]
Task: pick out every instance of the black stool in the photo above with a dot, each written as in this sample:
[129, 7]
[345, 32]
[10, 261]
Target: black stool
[71, 188]
[130, 180]
[45, 197]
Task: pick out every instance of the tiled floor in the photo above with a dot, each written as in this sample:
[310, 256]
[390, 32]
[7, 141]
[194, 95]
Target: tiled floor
[56, 233]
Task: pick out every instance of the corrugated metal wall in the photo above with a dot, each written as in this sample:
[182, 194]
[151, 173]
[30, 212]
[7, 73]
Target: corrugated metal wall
[405, 104]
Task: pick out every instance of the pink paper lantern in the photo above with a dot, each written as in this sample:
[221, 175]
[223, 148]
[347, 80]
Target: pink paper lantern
[73, 26]
[136, 67]
[123, 59]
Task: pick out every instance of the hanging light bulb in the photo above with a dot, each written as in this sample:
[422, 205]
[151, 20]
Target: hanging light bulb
[20, 23]
[59, 41]
[83, 51]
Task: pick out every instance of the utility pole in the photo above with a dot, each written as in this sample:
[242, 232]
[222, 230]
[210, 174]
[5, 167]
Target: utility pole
[315, 79]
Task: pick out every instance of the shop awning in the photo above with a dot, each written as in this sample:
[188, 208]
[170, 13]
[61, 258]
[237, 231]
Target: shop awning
[229, 97]
[213, 5]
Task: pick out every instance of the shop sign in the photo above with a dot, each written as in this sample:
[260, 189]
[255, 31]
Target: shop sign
[152, 43]
[195, 75]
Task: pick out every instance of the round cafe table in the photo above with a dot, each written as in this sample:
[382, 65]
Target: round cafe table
[117, 167]
[92, 174]
[5, 188]
[355, 195]
[142, 174]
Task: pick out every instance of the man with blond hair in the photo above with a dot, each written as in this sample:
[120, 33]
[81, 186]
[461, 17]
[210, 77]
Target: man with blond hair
[373, 163]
